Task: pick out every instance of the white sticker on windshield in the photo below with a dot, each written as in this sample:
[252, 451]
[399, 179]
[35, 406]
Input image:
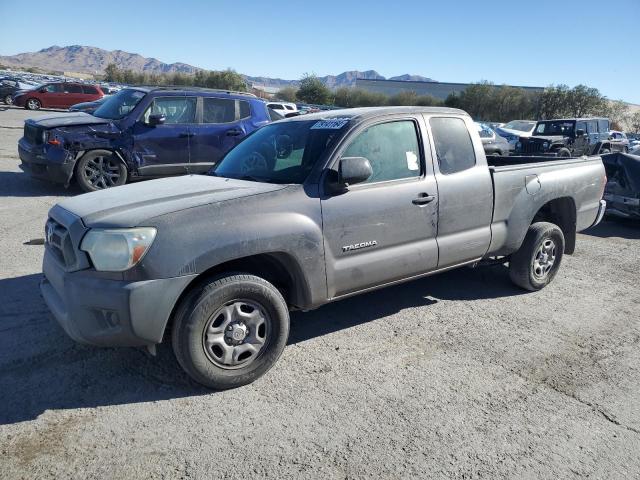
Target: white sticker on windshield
[330, 123]
[412, 161]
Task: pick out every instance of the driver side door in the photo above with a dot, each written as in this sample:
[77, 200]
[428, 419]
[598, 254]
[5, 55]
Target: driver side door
[165, 149]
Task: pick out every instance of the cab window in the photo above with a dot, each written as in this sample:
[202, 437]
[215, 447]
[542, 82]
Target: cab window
[175, 109]
[392, 149]
[454, 148]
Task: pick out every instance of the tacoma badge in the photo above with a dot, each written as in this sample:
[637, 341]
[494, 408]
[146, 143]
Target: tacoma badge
[358, 246]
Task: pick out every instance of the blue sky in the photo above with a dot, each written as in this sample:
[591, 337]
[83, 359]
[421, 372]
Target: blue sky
[521, 43]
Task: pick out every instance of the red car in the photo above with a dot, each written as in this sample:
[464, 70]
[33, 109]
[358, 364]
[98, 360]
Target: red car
[57, 95]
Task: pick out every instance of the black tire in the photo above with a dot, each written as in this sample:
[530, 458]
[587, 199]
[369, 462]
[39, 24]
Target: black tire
[100, 169]
[564, 152]
[8, 100]
[525, 265]
[32, 104]
[196, 315]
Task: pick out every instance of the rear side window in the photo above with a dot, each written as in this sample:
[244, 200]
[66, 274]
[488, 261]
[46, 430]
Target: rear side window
[391, 148]
[453, 144]
[218, 110]
[592, 127]
[603, 126]
[89, 90]
[245, 109]
[275, 106]
[71, 88]
[175, 109]
[54, 88]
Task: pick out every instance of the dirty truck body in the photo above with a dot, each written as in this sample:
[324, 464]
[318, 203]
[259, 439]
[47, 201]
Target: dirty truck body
[303, 212]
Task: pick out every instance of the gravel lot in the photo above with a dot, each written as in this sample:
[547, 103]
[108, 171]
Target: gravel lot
[459, 375]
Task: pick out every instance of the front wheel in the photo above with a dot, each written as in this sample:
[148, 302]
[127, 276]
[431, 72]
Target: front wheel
[33, 104]
[100, 169]
[8, 100]
[538, 259]
[231, 331]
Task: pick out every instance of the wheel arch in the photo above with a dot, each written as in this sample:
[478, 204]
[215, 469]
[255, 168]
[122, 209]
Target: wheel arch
[278, 268]
[562, 212]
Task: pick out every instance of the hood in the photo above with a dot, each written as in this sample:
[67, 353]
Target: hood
[67, 120]
[515, 133]
[131, 205]
[548, 138]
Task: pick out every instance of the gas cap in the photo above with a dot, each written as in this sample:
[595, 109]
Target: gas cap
[532, 184]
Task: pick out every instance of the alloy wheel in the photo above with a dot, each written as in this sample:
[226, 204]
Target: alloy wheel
[102, 172]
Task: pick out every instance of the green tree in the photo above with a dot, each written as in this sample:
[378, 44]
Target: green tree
[313, 91]
[618, 112]
[287, 94]
[634, 122]
[112, 73]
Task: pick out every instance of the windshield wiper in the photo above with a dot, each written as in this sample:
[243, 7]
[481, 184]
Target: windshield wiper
[252, 178]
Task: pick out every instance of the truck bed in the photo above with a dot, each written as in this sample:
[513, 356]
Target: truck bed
[498, 161]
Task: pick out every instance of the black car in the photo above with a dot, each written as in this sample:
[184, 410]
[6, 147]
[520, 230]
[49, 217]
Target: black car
[8, 86]
[492, 143]
[569, 137]
[87, 107]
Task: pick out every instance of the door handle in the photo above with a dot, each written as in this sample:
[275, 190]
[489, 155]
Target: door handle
[234, 132]
[423, 199]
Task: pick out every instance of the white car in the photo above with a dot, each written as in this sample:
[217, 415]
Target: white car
[515, 129]
[283, 108]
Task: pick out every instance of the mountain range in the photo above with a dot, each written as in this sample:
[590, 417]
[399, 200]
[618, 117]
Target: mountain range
[93, 60]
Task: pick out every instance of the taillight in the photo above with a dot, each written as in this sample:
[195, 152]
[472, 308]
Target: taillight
[604, 185]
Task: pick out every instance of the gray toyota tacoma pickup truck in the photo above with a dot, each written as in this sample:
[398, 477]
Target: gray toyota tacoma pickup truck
[303, 212]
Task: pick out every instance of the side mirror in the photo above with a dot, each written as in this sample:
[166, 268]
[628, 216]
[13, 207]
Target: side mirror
[580, 133]
[42, 90]
[352, 170]
[156, 119]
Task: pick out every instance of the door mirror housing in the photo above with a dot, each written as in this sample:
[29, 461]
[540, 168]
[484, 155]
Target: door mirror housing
[156, 119]
[580, 133]
[42, 90]
[352, 170]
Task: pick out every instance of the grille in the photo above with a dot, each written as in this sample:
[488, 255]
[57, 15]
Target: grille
[58, 241]
[532, 147]
[33, 134]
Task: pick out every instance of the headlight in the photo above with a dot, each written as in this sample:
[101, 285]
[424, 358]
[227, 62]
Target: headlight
[545, 145]
[116, 250]
[518, 145]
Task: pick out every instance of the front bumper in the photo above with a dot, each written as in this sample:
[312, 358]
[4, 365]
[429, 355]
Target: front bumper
[107, 312]
[45, 163]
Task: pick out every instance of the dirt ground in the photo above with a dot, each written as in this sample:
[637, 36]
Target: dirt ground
[460, 375]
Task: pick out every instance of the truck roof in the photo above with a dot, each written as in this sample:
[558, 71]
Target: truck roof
[187, 89]
[368, 112]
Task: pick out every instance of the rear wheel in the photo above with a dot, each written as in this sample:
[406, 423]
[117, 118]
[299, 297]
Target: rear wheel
[100, 169]
[33, 104]
[564, 152]
[8, 100]
[231, 331]
[538, 259]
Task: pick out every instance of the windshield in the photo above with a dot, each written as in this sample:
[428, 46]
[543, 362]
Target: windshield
[119, 105]
[520, 125]
[555, 128]
[283, 152]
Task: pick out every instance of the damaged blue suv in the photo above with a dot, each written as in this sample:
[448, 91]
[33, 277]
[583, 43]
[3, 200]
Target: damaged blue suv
[141, 132]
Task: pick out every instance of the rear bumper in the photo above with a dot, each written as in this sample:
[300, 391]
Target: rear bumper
[107, 312]
[46, 164]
